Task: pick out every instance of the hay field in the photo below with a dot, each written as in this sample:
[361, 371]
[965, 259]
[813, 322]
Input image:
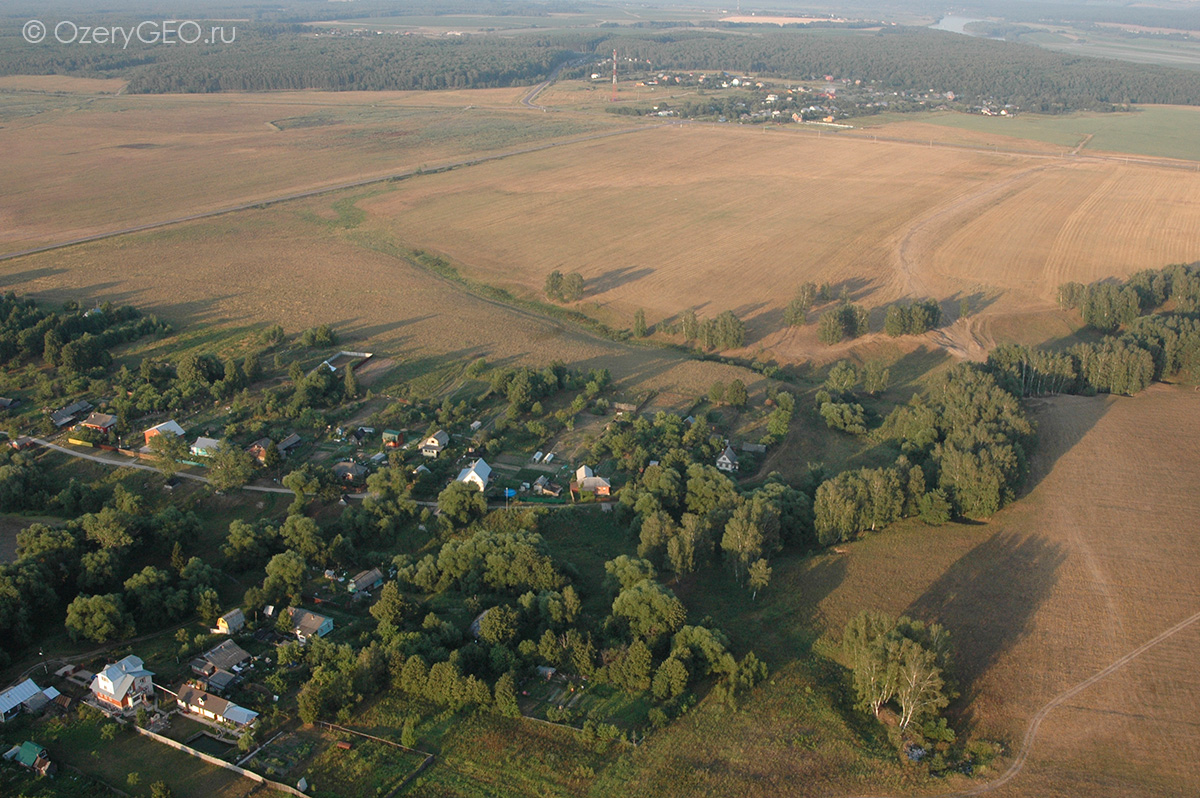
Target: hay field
[1097, 559]
[291, 265]
[78, 165]
[733, 218]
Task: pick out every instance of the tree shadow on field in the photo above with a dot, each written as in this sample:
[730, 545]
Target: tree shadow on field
[356, 330]
[987, 600]
[616, 278]
[16, 278]
[1061, 422]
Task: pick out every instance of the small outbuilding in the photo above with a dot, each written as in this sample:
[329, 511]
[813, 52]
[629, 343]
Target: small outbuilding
[231, 622]
[366, 580]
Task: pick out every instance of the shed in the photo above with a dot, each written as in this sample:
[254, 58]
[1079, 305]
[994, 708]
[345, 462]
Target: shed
[13, 699]
[289, 442]
[366, 580]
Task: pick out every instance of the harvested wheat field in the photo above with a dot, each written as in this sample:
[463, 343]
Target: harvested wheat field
[734, 218]
[82, 165]
[1099, 558]
[291, 266]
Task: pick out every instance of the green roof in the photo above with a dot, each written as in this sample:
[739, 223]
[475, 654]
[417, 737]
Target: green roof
[29, 753]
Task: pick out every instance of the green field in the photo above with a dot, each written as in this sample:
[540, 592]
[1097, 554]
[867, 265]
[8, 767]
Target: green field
[1163, 131]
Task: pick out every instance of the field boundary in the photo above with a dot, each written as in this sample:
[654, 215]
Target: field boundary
[212, 760]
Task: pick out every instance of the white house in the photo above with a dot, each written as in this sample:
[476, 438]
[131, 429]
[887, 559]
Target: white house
[477, 475]
[728, 461]
[124, 684]
[435, 443]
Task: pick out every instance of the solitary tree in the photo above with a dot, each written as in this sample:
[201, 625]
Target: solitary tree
[760, 576]
[639, 324]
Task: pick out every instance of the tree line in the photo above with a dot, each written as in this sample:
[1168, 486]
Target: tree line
[1151, 328]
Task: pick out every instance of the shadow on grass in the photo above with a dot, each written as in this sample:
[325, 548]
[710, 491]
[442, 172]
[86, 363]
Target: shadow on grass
[987, 599]
[779, 625]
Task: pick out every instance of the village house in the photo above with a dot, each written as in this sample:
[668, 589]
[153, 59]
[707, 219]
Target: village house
[23, 442]
[219, 668]
[435, 444]
[206, 705]
[100, 422]
[167, 427]
[392, 438]
[586, 481]
[349, 471]
[33, 756]
[728, 459]
[66, 415]
[8, 404]
[367, 580]
[258, 450]
[307, 624]
[477, 474]
[231, 622]
[205, 447]
[124, 684]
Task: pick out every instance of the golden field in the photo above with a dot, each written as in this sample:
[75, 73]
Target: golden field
[728, 218]
[81, 165]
